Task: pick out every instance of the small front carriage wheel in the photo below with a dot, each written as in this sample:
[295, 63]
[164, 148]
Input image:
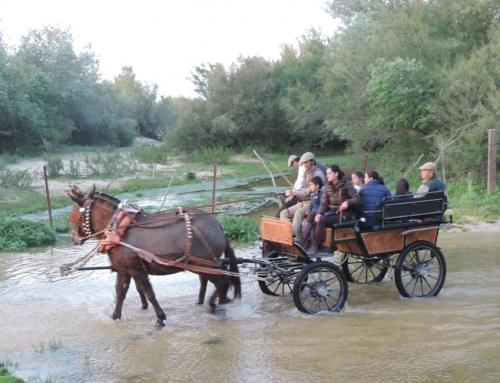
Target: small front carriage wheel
[420, 270]
[320, 286]
[276, 284]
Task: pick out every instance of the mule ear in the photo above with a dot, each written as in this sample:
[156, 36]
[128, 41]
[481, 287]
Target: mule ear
[76, 191]
[77, 200]
[92, 192]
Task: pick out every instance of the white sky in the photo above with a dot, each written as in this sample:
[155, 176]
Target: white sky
[163, 40]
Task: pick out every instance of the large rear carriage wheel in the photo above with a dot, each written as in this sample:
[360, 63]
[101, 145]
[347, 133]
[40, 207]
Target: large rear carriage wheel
[362, 271]
[320, 286]
[420, 270]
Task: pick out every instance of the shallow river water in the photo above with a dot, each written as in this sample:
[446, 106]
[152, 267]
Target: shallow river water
[60, 327]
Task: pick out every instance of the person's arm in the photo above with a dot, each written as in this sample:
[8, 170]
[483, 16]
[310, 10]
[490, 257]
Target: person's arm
[422, 191]
[323, 205]
[354, 197]
[300, 178]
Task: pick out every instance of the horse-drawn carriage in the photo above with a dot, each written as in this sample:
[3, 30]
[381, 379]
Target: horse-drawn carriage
[405, 241]
[140, 244]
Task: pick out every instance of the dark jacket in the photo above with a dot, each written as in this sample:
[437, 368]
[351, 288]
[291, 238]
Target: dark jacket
[430, 185]
[315, 201]
[334, 196]
[372, 193]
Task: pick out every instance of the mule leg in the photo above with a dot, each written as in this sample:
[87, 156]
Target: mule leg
[144, 285]
[144, 301]
[203, 289]
[121, 286]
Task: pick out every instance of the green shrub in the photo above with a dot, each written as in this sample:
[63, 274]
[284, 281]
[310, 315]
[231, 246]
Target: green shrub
[239, 227]
[54, 166]
[126, 131]
[74, 169]
[190, 176]
[151, 154]
[16, 178]
[17, 234]
[206, 155]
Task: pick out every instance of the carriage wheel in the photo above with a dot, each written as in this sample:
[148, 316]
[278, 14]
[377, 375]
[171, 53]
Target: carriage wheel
[420, 270]
[277, 285]
[361, 271]
[320, 286]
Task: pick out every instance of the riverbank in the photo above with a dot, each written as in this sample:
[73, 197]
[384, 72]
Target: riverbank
[473, 209]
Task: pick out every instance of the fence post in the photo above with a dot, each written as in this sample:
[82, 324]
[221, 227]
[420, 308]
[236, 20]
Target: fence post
[492, 160]
[48, 194]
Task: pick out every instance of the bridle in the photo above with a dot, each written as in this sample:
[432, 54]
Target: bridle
[80, 216]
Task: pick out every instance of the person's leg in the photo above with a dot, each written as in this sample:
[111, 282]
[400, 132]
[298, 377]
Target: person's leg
[306, 229]
[299, 217]
[288, 214]
[326, 220]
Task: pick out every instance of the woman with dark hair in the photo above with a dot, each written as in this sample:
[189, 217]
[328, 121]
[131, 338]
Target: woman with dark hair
[402, 189]
[357, 179]
[372, 192]
[338, 199]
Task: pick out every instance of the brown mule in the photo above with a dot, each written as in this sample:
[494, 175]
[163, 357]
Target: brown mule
[162, 234]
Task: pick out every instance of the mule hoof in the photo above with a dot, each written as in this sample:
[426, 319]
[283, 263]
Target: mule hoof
[213, 308]
[199, 304]
[115, 317]
[159, 323]
[144, 307]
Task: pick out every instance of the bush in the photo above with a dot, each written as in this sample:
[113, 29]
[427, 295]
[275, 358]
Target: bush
[16, 234]
[206, 155]
[190, 176]
[54, 166]
[16, 178]
[239, 227]
[151, 154]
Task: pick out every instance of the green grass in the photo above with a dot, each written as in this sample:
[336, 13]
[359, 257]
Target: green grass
[18, 201]
[16, 234]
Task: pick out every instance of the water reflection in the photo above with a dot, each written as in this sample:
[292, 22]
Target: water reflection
[379, 336]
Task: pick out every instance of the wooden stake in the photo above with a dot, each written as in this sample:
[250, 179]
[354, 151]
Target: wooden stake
[48, 194]
[492, 160]
[272, 177]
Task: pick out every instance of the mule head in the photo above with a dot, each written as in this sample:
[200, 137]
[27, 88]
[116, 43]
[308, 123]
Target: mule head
[80, 214]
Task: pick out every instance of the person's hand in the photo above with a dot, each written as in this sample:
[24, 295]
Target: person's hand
[290, 193]
[317, 218]
[288, 199]
[307, 212]
[344, 206]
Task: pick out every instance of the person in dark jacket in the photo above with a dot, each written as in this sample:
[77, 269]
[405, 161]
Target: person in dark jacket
[338, 199]
[372, 192]
[430, 184]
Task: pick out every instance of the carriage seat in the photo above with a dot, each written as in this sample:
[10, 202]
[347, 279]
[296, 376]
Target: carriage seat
[345, 224]
[402, 213]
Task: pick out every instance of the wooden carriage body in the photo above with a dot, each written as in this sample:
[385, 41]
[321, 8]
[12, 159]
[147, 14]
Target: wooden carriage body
[403, 222]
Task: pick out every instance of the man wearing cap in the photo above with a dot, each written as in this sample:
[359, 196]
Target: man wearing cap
[430, 183]
[297, 213]
[293, 162]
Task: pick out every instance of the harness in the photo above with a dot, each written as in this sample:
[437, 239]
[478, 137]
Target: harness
[124, 217]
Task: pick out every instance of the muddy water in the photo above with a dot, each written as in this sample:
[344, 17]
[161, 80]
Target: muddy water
[61, 327]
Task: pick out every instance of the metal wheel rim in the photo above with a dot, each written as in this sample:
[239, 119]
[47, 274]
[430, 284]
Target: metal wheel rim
[360, 272]
[421, 272]
[321, 291]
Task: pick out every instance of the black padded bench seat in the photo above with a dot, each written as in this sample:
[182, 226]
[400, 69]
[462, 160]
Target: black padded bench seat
[402, 213]
[344, 224]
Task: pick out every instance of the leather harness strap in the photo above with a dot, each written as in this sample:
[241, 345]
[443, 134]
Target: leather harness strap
[122, 219]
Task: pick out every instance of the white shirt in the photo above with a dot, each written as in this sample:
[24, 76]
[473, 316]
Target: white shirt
[300, 178]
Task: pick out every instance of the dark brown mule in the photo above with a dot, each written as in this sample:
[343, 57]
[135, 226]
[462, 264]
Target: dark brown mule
[163, 234]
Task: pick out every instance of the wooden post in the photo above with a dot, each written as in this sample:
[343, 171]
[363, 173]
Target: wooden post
[492, 160]
[47, 192]
[215, 181]
[363, 168]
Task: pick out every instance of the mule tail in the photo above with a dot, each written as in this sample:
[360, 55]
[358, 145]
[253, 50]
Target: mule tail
[233, 267]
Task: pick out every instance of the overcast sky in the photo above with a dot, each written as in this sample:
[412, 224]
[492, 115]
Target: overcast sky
[164, 39]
